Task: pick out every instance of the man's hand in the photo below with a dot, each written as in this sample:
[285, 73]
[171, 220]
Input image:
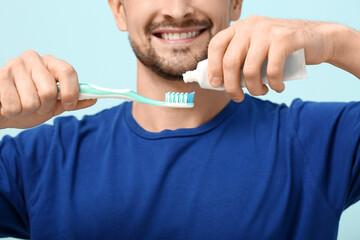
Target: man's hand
[28, 90]
[250, 41]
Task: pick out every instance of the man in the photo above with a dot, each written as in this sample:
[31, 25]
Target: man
[233, 167]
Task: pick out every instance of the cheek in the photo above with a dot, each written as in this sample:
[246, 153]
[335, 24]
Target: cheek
[136, 30]
[139, 14]
[218, 11]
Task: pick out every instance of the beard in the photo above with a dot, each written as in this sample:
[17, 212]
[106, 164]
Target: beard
[182, 59]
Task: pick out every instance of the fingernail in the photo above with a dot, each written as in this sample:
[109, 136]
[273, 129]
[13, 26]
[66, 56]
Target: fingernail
[69, 106]
[237, 99]
[216, 81]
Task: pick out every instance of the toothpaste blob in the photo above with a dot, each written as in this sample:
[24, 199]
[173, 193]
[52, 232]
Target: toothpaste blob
[295, 68]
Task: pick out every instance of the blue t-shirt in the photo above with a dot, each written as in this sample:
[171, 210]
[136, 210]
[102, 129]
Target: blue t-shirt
[257, 170]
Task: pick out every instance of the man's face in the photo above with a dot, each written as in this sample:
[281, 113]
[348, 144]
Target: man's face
[171, 36]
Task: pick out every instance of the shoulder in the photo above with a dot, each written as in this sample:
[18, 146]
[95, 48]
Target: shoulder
[66, 128]
[324, 112]
[299, 109]
[255, 109]
[304, 116]
[100, 118]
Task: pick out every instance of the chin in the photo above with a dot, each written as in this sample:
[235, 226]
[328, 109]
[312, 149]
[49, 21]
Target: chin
[181, 63]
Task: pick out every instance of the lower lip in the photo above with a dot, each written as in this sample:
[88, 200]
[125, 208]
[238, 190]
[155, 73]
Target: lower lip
[180, 41]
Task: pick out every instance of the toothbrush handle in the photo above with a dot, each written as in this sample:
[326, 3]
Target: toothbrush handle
[91, 91]
[83, 95]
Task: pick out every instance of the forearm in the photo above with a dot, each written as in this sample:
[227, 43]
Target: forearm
[346, 53]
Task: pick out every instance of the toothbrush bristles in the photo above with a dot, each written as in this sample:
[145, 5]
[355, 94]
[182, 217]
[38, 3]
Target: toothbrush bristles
[179, 97]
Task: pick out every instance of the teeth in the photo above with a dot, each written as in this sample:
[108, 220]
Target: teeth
[183, 35]
[178, 36]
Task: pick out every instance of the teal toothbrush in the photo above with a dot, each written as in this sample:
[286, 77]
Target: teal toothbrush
[176, 100]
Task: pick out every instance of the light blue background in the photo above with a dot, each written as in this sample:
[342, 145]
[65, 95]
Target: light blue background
[83, 33]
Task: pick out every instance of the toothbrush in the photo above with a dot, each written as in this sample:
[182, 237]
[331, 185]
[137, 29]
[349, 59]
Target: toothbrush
[176, 100]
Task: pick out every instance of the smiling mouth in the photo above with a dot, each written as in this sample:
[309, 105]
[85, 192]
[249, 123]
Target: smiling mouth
[178, 35]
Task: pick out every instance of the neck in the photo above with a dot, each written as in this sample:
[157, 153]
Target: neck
[208, 103]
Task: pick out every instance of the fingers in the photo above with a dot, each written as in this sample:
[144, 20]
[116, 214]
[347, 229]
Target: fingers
[275, 69]
[255, 58]
[228, 51]
[34, 83]
[247, 44]
[67, 77]
[28, 84]
[10, 101]
[282, 45]
[26, 89]
[45, 85]
[25, 79]
[18, 92]
[217, 49]
[233, 60]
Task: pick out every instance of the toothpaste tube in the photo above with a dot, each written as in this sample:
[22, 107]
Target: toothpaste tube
[295, 68]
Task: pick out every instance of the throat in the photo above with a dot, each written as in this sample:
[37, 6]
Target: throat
[156, 119]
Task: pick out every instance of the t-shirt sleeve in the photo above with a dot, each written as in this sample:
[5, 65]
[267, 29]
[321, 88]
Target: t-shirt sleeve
[13, 215]
[329, 135]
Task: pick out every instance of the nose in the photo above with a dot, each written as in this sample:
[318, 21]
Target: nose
[177, 9]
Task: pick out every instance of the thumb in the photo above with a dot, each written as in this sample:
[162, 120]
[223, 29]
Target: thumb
[80, 105]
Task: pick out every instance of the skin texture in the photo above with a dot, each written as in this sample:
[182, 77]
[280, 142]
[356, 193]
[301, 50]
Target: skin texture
[170, 67]
[173, 59]
[28, 94]
[28, 91]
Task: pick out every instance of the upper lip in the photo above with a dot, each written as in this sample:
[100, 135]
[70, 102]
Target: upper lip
[177, 30]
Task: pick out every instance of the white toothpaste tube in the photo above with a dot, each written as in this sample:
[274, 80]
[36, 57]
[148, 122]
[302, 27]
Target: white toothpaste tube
[295, 68]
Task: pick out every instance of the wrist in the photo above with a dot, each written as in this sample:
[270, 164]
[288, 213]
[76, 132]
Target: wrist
[339, 36]
[345, 49]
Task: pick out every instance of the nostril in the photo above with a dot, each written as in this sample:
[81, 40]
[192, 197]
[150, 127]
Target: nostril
[178, 10]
